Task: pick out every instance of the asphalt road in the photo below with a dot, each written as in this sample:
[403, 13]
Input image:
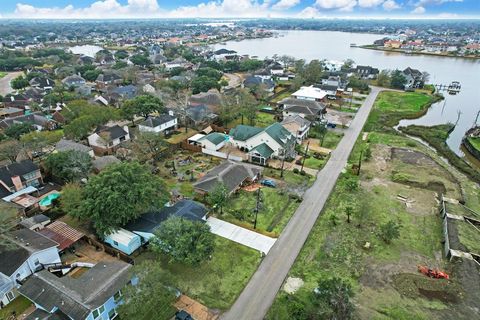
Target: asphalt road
[259, 294]
[5, 87]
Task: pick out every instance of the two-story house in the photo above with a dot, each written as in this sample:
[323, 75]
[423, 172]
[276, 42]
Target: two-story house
[20, 175]
[310, 93]
[308, 109]
[93, 295]
[163, 123]
[297, 126]
[74, 81]
[262, 144]
[22, 253]
[105, 140]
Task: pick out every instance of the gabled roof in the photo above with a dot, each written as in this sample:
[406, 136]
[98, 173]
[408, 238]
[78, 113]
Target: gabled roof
[310, 92]
[110, 133]
[413, 72]
[16, 169]
[153, 122]
[61, 233]
[200, 113]
[224, 51]
[77, 297]
[73, 79]
[186, 209]
[33, 118]
[244, 132]
[279, 133]
[307, 107]
[210, 98]
[215, 137]
[231, 174]
[263, 149]
[67, 145]
[300, 121]
[101, 163]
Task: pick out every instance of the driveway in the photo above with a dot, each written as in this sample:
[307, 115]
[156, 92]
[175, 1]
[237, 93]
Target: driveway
[259, 294]
[234, 80]
[241, 235]
[5, 87]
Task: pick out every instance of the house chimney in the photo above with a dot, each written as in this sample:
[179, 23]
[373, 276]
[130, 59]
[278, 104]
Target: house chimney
[170, 112]
[17, 182]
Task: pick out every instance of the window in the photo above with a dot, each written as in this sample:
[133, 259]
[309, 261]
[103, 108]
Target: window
[112, 314]
[115, 243]
[122, 138]
[10, 296]
[98, 312]
[118, 296]
[36, 262]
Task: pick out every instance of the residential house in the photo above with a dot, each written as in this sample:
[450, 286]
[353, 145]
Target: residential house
[22, 253]
[83, 90]
[36, 119]
[231, 174]
[414, 78]
[252, 82]
[105, 140]
[309, 109]
[61, 233]
[34, 94]
[263, 144]
[146, 225]
[177, 63]
[124, 92]
[45, 84]
[124, 241]
[19, 101]
[212, 141]
[92, 295]
[74, 81]
[70, 145]
[212, 99]
[200, 115]
[297, 126]
[36, 222]
[106, 79]
[366, 72]
[223, 54]
[276, 68]
[20, 175]
[10, 112]
[163, 123]
[310, 93]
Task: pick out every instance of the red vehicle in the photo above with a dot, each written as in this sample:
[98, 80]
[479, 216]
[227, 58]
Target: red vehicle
[433, 273]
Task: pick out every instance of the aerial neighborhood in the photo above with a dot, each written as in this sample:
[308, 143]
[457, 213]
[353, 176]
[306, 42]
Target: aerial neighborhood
[154, 172]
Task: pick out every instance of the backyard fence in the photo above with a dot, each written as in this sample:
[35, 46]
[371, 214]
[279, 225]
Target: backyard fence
[222, 155]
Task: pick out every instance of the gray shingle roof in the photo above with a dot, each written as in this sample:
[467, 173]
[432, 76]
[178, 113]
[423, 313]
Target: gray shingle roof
[153, 122]
[67, 145]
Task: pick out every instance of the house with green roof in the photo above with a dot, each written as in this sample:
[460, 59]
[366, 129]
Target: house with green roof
[213, 141]
[262, 144]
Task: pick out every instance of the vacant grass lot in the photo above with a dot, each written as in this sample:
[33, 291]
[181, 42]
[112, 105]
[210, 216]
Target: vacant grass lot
[17, 306]
[217, 282]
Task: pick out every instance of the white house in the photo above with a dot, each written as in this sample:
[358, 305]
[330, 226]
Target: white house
[213, 141]
[107, 139]
[162, 123]
[177, 63]
[30, 250]
[223, 54]
[297, 126]
[310, 93]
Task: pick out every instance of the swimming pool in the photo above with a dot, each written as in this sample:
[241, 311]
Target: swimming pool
[48, 199]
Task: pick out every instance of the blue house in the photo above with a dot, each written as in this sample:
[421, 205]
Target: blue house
[93, 295]
[124, 240]
[146, 225]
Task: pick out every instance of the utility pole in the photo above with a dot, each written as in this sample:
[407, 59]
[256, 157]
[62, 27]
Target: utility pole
[257, 208]
[305, 155]
[283, 163]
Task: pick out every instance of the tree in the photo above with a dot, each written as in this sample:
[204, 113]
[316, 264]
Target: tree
[383, 79]
[91, 75]
[149, 146]
[19, 83]
[398, 80]
[71, 199]
[349, 210]
[10, 149]
[69, 165]
[151, 295]
[35, 141]
[142, 105]
[203, 84]
[335, 294]
[18, 129]
[333, 218]
[390, 231]
[140, 60]
[186, 241]
[121, 193]
[312, 72]
[287, 61]
[218, 197]
[121, 54]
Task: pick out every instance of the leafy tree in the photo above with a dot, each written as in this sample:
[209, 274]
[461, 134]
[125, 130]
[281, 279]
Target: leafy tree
[120, 193]
[203, 84]
[35, 141]
[210, 73]
[69, 165]
[335, 294]
[19, 83]
[186, 241]
[142, 105]
[120, 65]
[333, 218]
[349, 209]
[10, 149]
[357, 83]
[152, 294]
[18, 129]
[121, 54]
[398, 80]
[218, 197]
[383, 79]
[250, 65]
[140, 60]
[149, 146]
[390, 231]
[287, 61]
[91, 75]
[71, 199]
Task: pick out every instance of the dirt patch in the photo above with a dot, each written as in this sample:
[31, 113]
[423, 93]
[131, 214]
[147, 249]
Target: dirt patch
[412, 157]
[443, 296]
[292, 285]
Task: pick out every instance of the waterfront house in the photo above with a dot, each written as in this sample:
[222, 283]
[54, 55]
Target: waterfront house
[414, 78]
[366, 72]
[106, 140]
[22, 253]
[93, 295]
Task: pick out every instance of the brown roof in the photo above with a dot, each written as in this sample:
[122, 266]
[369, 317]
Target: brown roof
[62, 233]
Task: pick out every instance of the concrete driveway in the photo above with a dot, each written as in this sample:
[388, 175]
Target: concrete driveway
[241, 235]
[5, 87]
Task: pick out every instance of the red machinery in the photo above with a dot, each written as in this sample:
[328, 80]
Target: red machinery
[433, 273]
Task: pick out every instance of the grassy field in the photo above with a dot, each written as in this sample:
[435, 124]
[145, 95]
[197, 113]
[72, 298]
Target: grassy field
[177, 138]
[276, 209]
[2, 74]
[262, 120]
[19, 305]
[217, 282]
[475, 142]
[332, 138]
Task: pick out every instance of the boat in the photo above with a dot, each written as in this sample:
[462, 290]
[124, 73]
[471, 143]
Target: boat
[353, 45]
[454, 87]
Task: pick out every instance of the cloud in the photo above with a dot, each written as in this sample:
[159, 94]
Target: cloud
[418, 10]
[285, 4]
[309, 12]
[369, 3]
[420, 3]
[225, 8]
[343, 5]
[98, 10]
[390, 5]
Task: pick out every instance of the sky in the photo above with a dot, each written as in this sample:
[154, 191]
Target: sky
[117, 9]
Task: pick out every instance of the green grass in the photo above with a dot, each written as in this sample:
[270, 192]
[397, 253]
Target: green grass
[262, 120]
[276, 210]
[177, 138]
[19, 305]
[475, 142]
[468, 236]
[215, 283]
[332, 139]
[2, 74]
[292, 179]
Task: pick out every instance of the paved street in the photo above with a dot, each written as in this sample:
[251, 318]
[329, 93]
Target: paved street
[241, 235]
[257, 297]
[5, 87]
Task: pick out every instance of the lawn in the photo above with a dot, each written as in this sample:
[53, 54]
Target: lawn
[276, 209]
[262, 120]
[2, 74]
[19, 305]
[468, 236]
[182, 135]
[215, 283]
[475, 142]
[293, 180]
[331, 139]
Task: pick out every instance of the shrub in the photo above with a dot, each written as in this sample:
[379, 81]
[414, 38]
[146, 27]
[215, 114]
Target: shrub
[295, 170]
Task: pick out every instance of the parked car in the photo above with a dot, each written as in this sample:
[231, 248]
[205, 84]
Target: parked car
[183, 315]
[268, 183]
[331, 125]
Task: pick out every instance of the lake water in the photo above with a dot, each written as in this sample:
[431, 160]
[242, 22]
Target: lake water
[87, 50]
[331, 45]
